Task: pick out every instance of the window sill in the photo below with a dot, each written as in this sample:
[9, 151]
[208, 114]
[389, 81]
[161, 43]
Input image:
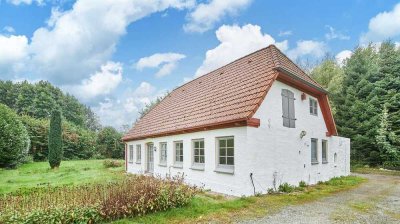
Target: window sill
[314, 163]
[138, 162]
[162, 164]
[179, 166]
[324, 162]
[227, 170]
[197, 167]
[130, 162]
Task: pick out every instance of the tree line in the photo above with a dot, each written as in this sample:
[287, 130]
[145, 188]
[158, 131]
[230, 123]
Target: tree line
[26, 108]
[365, 96]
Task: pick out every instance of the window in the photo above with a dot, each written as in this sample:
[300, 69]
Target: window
[131, 153]
[163, 153]
[313, 107]
[198, 151]
[226, 151]
[314, 151]
[178, 152]
[324, 151]
[138, 153]
[288, 114]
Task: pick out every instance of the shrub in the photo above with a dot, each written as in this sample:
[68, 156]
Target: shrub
[55, 140]
[14, 140]
[286, 188]
[112, 163]
[302, 184]
[135, 195]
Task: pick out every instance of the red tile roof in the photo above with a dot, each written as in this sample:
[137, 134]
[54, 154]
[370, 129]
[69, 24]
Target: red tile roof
[227, 96]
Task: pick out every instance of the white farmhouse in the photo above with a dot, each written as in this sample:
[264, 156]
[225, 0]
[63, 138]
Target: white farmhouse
[254, 123]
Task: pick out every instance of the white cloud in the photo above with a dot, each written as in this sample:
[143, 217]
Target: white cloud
[312, 48]
[236, 42]
[166, 62]
[334, 34]
[383, 26]
[342, 56]
[9, 29]
[100, 83]
[13, 53]
[26, 2]
[78, 41]
[124, 110]
[285, 33]
[206, 15]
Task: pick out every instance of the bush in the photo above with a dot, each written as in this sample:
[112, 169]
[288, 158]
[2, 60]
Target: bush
[286, 188]
[55, 140]
[14, 140]
[112, 163]
[302, 184]
[392, 165]
[136, 195]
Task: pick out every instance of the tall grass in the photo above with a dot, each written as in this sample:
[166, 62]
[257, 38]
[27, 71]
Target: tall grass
[133, 196]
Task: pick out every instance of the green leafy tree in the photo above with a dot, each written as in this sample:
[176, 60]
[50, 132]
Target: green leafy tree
[55, 140]
[110, 144]
[14, 140]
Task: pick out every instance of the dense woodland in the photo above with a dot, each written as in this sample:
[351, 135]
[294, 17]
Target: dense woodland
[365, 95]
[83, 136]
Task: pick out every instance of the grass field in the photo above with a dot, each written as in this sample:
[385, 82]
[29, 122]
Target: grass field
[70, 172]
[370, 170]
[206, 207]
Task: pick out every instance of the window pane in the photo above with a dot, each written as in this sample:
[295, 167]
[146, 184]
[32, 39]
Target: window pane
[222, 143]
[196, 144]
[222, 151]
[202, 152]
[201, 144]
[230, 161]
[202, 159]
[222, 160]
[230, 151]
[196, 151]
[230, 142]
[196, 159]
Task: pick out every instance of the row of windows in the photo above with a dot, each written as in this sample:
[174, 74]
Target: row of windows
[288, 109]
[225, 152]
[314, 151]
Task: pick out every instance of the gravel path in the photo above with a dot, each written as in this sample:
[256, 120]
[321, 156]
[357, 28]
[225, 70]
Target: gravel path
[377, 201]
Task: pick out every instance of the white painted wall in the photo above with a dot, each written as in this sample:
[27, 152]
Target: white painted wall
[263, 151]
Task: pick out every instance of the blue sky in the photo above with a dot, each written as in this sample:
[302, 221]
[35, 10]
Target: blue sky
[117, 55]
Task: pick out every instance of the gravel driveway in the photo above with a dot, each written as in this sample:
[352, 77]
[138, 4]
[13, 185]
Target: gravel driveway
[376, 201]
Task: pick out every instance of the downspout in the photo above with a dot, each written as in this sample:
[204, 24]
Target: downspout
[252, 182]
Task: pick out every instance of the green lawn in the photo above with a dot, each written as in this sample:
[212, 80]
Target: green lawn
[70, 172]
[371, 170]
[206, 208]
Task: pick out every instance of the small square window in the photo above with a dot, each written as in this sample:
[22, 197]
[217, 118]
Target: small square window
[324, 151]
[178, 152]
[198, 152]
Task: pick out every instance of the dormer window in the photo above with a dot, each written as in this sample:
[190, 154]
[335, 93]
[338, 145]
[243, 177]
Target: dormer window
[288, 114]
[313, 107]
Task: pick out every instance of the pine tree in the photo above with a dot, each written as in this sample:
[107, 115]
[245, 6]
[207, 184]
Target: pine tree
[55, 140]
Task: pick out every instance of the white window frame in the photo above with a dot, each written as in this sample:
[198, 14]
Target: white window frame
[178, 164]
[225, 167]
[313, 107]
[324, 143]
[163, 153]
[314, 162]
[201, 156]
[138, 153]
[130, 154]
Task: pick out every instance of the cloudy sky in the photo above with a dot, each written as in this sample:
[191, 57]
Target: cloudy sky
[117, 55]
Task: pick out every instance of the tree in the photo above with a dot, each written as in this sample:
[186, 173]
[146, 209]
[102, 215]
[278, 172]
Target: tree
[386, 139]
[55, 140]
[110, 144]
[14, 140]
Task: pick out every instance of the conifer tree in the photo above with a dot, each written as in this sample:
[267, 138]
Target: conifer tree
[55, 140]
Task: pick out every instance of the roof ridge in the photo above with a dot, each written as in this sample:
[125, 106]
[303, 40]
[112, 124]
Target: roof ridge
[225, 65]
